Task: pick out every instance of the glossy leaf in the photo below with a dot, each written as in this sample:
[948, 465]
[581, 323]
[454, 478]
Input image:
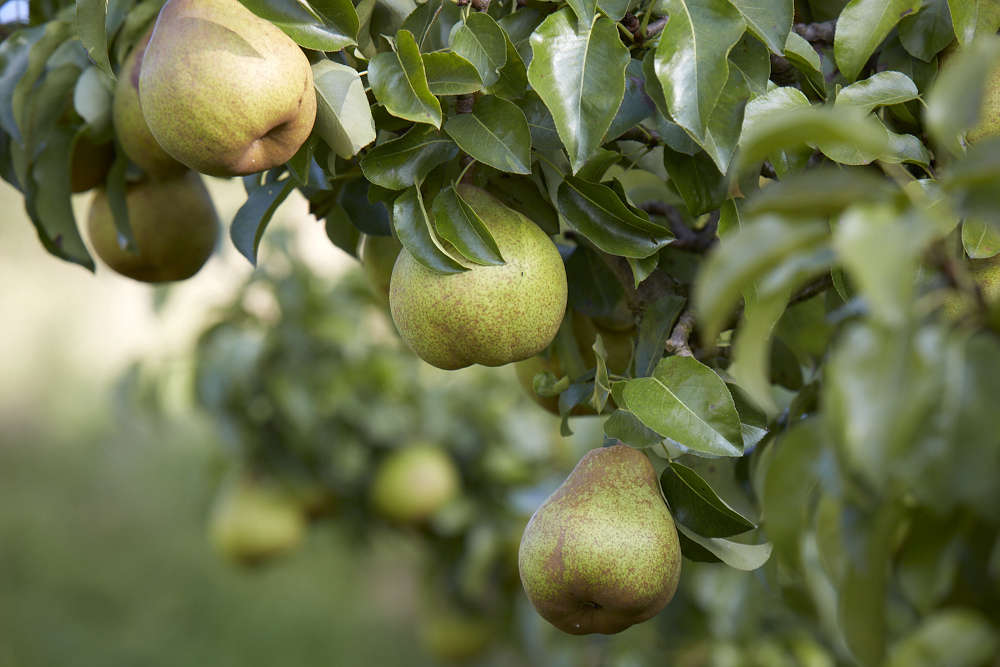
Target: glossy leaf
[343, 116]
[579, 73]
[695, 504]
[878, 90]
[736, 555]
[752, 349]
[483, 43]
[399, 82]
[687, 402]
[253, 217]
[495, 133]
[90, 19]
[973, 18]
[431, 24]
[323, 25]
[862, 26]
[636, 105]
[414, 231]
[457, 223]
[654, 328]
[769, 20]
[697, 179]
[980, 238]
[407, 160]
[927, 32]
[599, 214]
[450, 74]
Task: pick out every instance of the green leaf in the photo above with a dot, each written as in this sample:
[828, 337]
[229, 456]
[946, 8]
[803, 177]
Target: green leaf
[691, 61]
[414, 231]
[42, 46]
[450, 74]
[696, 505]
[820, 192]
[431, 24]
[687, 402]
[804, 58]
[579, 73]
[584, 10]
[399, 81]
[322, 25]
[627, 428]
[973, 18]
[752, 61]
[955, 100]
[878, 90]
[980, 238]
[407, 160]
[752, 350]
[614, 9]
[371, 217]
[657, 322]
[92, 100]
[736, 555]
[90, 19]
[769, 20]
[636, 105]
[253, 216]
[522, 194]
[598, 213]
[458, 224]
[698, 180]
[495, 133]
[862, 26]
[483, 43]
[14, 53]
[513, 79]
[927, 32]
[741, 258]
[343, 117]
[724, 126]
[956, 637]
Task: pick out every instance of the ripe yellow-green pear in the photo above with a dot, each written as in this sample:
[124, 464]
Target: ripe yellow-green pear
[989, 113]
[89, 164]
[173, 223]
[253, 522]
[617, 344]
[413, 483]
[133, 133]
[489, 315]
[602, 553]
[378, 256]
[224, 91]
[986, 273]
[453, 636]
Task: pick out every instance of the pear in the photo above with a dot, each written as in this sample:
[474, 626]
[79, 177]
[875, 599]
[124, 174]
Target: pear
[133, 133]
[252, 522]
[489, 315]
[989, 113]
[224, 91]
[173, 223]
[378, 256]
[89, 164]
[452, 635]
[413, 483]
[602, 553]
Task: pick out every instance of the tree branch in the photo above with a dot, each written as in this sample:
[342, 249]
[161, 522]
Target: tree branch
[679, 337]
[817, 33]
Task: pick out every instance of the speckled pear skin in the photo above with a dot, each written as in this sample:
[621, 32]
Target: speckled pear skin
[130, 127]
[602, 553]
[413, 483]
[989, 113]
[489, 315]
[174, 225]
[224, 91]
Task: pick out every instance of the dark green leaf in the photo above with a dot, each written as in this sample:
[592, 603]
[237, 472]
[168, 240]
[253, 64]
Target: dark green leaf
[736, 555]
[399, 82]
[697, 179]
[252, 218]
[450, 74]
[769, 20]
[654, 328]
[861, 28]
[696, 505]
[483, 43]
[496, 133]
[431, 24]
[323, 25]
[457, 223]
[413, 229]
[90, 18]
[407, 160]
[927, 32]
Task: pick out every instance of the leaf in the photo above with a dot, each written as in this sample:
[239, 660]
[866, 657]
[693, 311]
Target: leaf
[862, 26]
[322, 25]
[92, 100]
[90, 18]
[654, 328]
[458, 224]
[253, 216]
[584, 10]
[414, 231]
[955, 100]
[370, 217]
[343, 117]
[450, 74]
[724, 126]
[495, 133]
[927, 32]
[431, 24]
[752, 61]
[579, 73]
[691, 60]
[769, 20]
[687, 402]
[804, 58]
[737, 555]
[626, 427]
[819, 192]
[698, 180]
[956, 637]
[636, 105]
[399, 81]
[483, 43]
[599, 214]
[741, 258]
[513, 79]
[14, 53]
[752, 350]
[696, 505]
[878, 90]
[973, 18]
[407, 160]
[980, 238]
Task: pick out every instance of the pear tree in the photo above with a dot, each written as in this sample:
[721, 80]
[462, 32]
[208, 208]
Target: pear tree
[756, 242]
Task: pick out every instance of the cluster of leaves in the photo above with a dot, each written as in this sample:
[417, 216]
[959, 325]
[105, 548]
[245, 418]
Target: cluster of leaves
[793, 371]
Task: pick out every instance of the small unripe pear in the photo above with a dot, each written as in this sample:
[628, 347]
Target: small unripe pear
[989, 112]
[174, 225]
[413, 483]
[253, 522]
[489, 315]
[454, 636]
[602, 553]
[224, 91]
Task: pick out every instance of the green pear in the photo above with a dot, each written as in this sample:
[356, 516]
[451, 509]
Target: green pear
[133, 133]
[489, 315]
[224, 91]
[989, 112]
[986, 273]
[413, 483]
[602, 553]
[454, 636]
[252, 522]
[378, 256]
[173, 223]
[89, 163]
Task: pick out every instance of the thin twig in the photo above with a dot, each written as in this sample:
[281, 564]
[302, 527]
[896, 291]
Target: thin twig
[464, 103]
[678, 342]
[656, 27]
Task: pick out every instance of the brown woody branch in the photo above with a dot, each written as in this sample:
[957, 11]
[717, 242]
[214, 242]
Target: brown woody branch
[817, 33]
[678, 342]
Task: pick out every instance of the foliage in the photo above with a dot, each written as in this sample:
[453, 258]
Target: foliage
[781, 195]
